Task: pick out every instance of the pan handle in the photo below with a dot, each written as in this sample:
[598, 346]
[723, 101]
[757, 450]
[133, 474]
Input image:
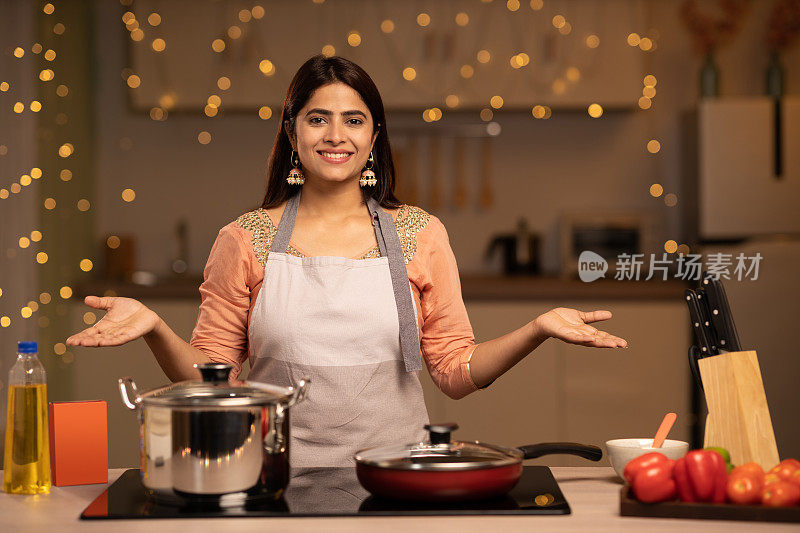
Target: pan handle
[531, 451]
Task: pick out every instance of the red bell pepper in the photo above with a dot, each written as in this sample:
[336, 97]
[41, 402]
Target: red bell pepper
[654, 483]
[701, 476]
[637, 464]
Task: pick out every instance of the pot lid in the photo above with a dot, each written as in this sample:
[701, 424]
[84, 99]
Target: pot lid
[215, 391]
[440, 453]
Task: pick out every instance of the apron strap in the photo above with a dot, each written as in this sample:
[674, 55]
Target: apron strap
[281, 240]
[389, 245]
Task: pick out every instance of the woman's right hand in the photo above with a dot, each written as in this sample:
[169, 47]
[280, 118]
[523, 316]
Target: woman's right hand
[125, 320]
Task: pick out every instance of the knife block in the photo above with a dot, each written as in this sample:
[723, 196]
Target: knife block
[738, 416]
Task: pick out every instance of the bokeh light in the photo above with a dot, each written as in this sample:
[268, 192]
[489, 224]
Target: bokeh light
[595, 110]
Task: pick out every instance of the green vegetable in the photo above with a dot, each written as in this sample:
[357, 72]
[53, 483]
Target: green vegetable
[725, 455]
[722, 451]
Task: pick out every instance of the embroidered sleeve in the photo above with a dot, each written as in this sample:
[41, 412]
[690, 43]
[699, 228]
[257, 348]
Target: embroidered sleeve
[410, 220]
[262, 231]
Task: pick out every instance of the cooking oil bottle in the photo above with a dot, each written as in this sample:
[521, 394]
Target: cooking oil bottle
[26, 462]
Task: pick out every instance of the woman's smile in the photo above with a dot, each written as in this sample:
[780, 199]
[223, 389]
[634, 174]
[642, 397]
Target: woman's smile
[335, 157]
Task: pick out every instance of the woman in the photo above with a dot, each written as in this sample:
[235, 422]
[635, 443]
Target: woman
[335, 280]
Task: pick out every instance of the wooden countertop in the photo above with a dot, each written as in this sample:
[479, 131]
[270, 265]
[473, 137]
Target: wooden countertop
[473, 287]
[592, 492]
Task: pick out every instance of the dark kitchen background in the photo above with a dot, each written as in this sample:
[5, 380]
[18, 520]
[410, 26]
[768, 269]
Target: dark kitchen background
[131, 131]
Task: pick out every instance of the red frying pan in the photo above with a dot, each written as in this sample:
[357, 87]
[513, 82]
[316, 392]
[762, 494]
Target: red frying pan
[445, 470]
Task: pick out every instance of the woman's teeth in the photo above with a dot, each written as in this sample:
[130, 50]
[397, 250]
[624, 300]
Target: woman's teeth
[335, 156]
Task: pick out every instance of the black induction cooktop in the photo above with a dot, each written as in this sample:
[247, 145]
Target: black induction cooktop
[328, 492]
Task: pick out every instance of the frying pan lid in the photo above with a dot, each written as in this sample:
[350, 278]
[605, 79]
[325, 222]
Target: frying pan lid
[439, 454]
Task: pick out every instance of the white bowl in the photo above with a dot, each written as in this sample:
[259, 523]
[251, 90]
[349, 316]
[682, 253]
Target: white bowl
[620, 451]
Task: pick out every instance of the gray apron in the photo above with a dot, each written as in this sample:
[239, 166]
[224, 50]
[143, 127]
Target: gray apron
[350, 326]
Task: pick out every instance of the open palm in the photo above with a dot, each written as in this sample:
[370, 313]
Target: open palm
[125, 320]
[572, 326]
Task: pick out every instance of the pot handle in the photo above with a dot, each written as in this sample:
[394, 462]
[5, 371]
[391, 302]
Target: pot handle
[299, 392]
[129, 393]
[531, 451]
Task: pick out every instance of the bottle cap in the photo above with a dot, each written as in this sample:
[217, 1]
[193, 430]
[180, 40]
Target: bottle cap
[27, 347]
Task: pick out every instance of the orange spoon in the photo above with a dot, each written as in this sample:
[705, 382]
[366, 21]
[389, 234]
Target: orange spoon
[663, 429]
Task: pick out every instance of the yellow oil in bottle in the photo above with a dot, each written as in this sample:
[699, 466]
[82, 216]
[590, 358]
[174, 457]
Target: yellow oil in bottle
[26, 465]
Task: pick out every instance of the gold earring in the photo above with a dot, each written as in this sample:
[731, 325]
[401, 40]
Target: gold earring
[296, 176]
[368, 178]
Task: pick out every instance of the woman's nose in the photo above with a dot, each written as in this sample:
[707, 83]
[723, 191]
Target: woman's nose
[334, 133]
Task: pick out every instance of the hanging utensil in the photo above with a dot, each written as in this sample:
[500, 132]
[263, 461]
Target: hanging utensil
[411, 166]
[459, 175]
[434, 177]
[486, 195]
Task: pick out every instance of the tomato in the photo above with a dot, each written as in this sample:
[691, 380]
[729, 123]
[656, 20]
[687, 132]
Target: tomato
[771, 478]
[785, 469]
[748, 468]
[745, 489]
[780, 494]
[795, 478]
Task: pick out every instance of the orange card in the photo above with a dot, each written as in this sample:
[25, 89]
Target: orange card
[78, 442]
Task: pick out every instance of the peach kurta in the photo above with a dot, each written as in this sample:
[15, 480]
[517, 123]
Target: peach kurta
[235, 271]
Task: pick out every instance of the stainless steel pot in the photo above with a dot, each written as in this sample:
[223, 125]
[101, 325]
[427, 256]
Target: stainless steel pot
[210, 438]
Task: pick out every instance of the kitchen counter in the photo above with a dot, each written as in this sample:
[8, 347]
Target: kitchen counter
[473, 287]
[592, 492]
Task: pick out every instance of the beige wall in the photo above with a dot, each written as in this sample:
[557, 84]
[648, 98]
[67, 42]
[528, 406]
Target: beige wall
[541, 168]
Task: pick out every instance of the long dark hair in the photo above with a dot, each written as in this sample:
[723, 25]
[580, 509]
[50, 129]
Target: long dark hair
[316, 72]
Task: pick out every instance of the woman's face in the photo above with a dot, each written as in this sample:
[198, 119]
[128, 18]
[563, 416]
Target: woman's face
[334, 134]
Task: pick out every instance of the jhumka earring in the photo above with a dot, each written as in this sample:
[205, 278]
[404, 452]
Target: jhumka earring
[368, 178]
[295, 174]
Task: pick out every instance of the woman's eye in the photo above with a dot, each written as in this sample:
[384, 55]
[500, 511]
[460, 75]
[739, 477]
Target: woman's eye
[355, 121]
[316, 120]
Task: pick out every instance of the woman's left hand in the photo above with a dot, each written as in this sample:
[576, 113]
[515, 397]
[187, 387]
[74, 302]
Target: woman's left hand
[572, 326]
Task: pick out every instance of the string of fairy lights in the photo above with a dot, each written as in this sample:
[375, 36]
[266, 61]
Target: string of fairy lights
[149, 32]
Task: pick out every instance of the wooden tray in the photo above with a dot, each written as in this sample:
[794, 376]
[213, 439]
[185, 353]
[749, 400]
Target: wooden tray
[628, 506]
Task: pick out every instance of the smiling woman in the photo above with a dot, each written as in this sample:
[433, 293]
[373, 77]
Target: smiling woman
[332, 107]
[334, 279]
